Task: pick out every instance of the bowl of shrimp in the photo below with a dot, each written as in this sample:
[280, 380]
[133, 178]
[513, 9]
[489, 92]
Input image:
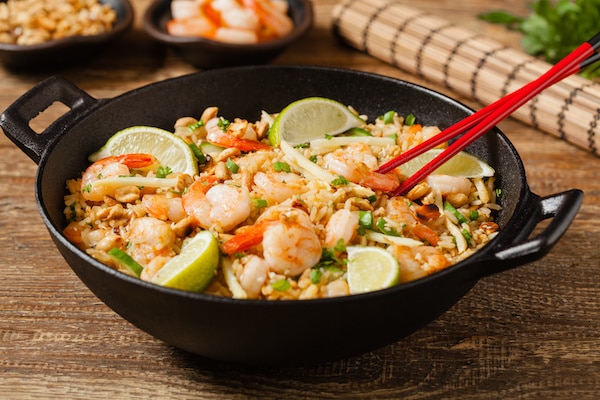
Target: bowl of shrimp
[216, 323]
[220, 33]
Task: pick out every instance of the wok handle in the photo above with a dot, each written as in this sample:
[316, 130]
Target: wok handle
[16, 118]
[562, 207]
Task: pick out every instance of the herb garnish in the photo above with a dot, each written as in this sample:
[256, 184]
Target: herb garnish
[554, 28]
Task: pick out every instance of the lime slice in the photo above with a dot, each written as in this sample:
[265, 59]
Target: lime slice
[194, 268]
[371, 268]
[462, 164]
[311, 118]
[170, 150]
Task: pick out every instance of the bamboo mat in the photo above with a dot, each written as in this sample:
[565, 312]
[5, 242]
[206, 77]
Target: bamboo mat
[469, 64]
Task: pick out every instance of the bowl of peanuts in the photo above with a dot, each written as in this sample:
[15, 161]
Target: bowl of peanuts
[46, 34]
[223, 33]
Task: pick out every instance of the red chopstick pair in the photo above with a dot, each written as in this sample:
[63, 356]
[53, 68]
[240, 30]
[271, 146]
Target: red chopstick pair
[483, 120]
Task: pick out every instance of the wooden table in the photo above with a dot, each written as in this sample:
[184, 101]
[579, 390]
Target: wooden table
[530, 332]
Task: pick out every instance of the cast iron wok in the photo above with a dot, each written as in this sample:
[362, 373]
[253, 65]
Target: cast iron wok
[274, 332]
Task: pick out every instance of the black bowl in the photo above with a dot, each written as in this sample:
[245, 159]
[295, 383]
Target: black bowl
[67, 51]
[206, 53]
[274, 332]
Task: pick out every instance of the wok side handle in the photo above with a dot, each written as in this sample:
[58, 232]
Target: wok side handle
[16, 118]
[561, 207]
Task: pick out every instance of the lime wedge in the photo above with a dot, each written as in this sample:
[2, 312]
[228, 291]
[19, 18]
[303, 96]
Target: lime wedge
[194, 268]
[462, 164]
[311, 118]
[170, 150]
[371, 268]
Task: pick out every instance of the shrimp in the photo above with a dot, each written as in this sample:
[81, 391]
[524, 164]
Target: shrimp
[418, 262]
[185, 8]
[163, 207]
[232, 21]
[109, 167]
[215, 134]
[253, 275]
[197, 25]
[398, 210]
[343, 225]
[278, 186]
[235, 35]
[277, 23]
[447, 184]
[220, 206]
[289, 242]
[358, 164]
[150, 238]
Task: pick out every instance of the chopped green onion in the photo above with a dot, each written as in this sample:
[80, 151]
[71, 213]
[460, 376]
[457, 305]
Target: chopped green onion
[281, 285]
[365, 221]
[280, 166]
[196, 125]
[467, 236]
[358, 132]
[474, 215]
[339, 181]
[410, 120]
[163, 172]
[313, 158]
[232, 166]
[223, 124]
[124, 259]
[315, 275]
[449, 207]
[260, 203]
[388, 117]
[200, 156]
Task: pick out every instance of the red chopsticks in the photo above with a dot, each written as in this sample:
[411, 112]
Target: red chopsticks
[483, 120]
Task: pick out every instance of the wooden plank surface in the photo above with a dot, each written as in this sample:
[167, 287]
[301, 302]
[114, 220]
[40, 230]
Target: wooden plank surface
[532, 332]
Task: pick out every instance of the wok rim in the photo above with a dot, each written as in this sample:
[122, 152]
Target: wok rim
[56, 232]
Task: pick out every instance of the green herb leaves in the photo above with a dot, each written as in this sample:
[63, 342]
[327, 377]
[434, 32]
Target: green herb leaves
[554, 29]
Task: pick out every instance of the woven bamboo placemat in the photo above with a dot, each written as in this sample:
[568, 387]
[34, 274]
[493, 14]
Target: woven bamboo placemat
[469, 64]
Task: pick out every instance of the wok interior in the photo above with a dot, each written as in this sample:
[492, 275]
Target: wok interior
[209, 325]
[244, 92]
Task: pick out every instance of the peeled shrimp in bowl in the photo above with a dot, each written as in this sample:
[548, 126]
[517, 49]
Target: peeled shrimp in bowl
[231, 21]
[225, 33]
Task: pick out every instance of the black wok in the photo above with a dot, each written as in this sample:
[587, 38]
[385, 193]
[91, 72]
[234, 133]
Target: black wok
[274, 332]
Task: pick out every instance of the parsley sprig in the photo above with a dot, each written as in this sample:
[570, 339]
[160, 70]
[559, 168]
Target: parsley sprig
[554, 28]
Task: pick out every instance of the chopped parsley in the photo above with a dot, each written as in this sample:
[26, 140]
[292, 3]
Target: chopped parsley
[381, 225]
